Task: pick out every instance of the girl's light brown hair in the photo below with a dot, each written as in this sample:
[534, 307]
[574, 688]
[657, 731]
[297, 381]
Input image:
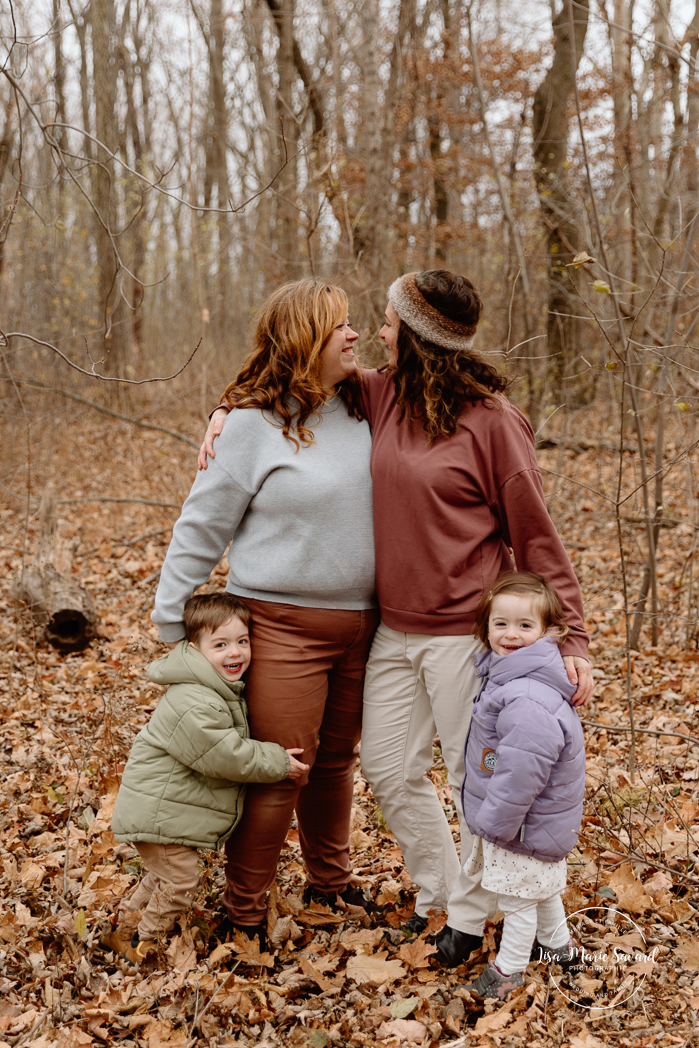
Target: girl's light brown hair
[292, 328]
[524, 583]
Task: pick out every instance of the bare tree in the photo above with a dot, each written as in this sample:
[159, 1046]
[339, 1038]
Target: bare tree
[558, 207]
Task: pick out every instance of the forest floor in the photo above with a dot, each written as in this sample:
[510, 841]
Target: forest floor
[67, 721]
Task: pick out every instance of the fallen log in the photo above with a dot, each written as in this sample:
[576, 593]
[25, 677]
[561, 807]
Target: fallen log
[58, 604]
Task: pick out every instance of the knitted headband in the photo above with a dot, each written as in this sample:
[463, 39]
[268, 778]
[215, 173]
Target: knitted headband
[426, 321]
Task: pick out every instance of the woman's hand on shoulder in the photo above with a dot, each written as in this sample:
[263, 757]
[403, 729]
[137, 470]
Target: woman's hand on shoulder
[215, 426]
[579, 672]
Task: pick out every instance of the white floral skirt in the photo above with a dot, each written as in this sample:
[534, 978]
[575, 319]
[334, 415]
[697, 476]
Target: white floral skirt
[507, 873]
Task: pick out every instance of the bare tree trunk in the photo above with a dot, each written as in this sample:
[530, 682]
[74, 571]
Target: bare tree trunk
[135, 197]
[287, 142]
[379, 143]
[104, 44]
[218, 155]
[5, 153]
[624, 174]
[550, 131]
[533, 405]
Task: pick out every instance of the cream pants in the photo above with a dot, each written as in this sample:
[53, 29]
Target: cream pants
[416, 684]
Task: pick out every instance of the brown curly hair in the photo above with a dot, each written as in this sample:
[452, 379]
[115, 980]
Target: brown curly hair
[293, 326]
[434, 384]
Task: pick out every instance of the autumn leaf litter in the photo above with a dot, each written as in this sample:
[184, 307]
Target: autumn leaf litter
[66, 726]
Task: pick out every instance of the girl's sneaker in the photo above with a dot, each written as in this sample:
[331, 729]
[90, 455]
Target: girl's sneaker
[492, 983]
[568, 956]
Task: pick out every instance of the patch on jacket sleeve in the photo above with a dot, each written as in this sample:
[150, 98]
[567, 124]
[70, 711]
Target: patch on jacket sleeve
[489, 760]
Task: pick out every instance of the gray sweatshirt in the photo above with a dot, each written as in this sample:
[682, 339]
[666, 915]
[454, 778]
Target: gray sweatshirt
[299, 522]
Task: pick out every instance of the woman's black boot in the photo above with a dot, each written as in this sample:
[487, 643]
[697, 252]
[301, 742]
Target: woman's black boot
[415, 924]
[455, 947]
[227, 929]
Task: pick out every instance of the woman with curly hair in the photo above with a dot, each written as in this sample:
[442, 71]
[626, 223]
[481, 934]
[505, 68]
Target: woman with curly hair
[290, 489]
[456, 488]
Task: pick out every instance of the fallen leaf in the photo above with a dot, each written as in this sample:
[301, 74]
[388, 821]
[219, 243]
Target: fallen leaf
[374, 969]
[495, 1021]
[249, 950]
[585, 1040]
[417, 953]
[31, 875]
[160, 1033]
[181, 952]
[629, 890]
[309, 969]
[688, 950]
[222, 951]
[317, 915]
[405, 1029]
[403, 1007]
[80, 924]
[368, 938]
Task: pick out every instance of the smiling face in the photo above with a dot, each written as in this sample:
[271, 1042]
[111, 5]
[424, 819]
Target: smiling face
[389, 333]
[514, 622]
[227, 648]
[337, 359]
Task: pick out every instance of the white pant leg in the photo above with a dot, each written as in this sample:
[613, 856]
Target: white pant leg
[408, 675]
[518, 933]
[551, 925]
[396, 752]
[446, 667]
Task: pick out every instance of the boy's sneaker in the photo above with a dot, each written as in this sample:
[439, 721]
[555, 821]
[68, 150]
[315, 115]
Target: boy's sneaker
[492, 983]
[133, 949]
[350, 897]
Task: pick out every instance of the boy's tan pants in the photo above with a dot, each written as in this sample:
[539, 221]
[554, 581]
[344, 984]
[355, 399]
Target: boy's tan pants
[167, 889]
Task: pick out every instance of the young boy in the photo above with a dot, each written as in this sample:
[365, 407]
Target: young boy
[184, 782]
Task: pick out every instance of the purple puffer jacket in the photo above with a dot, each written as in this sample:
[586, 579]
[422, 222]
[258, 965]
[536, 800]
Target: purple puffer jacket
[525, 754]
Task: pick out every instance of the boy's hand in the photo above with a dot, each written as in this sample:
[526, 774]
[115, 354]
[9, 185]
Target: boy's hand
[296, 768]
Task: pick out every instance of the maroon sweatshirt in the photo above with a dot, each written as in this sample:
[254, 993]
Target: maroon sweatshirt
[445, 514]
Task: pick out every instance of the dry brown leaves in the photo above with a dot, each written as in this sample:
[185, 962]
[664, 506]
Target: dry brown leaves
[66, 724]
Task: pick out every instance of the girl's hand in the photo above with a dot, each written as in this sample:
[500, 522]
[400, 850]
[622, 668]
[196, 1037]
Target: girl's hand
[579, 672]
[215, 426]
[296, 770]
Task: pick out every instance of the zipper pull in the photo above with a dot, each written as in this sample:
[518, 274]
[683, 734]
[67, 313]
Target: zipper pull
[521, 833]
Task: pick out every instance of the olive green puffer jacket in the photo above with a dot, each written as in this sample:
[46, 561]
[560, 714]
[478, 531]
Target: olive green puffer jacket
[184, 781]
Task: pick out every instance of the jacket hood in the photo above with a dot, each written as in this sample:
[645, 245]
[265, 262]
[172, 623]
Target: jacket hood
[540, 661]
[185, 665]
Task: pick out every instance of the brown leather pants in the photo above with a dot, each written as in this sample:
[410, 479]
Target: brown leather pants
[304, 688]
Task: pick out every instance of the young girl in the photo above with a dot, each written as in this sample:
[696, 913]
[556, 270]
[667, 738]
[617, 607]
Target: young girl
[525, 775]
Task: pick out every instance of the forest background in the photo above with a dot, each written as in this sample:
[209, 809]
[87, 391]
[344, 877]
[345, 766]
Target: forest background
[163, 165]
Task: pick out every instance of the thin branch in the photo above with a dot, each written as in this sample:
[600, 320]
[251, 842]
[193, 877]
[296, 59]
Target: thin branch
[645, 731]
[6, 336]
[35, 384]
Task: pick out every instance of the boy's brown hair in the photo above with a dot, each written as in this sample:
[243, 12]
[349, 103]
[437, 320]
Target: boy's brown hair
[205, 612]
[528, 584]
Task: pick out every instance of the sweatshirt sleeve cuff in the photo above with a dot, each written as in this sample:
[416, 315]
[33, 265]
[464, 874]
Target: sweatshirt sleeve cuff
[171, 632]
[575, 646]
[226, 407]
